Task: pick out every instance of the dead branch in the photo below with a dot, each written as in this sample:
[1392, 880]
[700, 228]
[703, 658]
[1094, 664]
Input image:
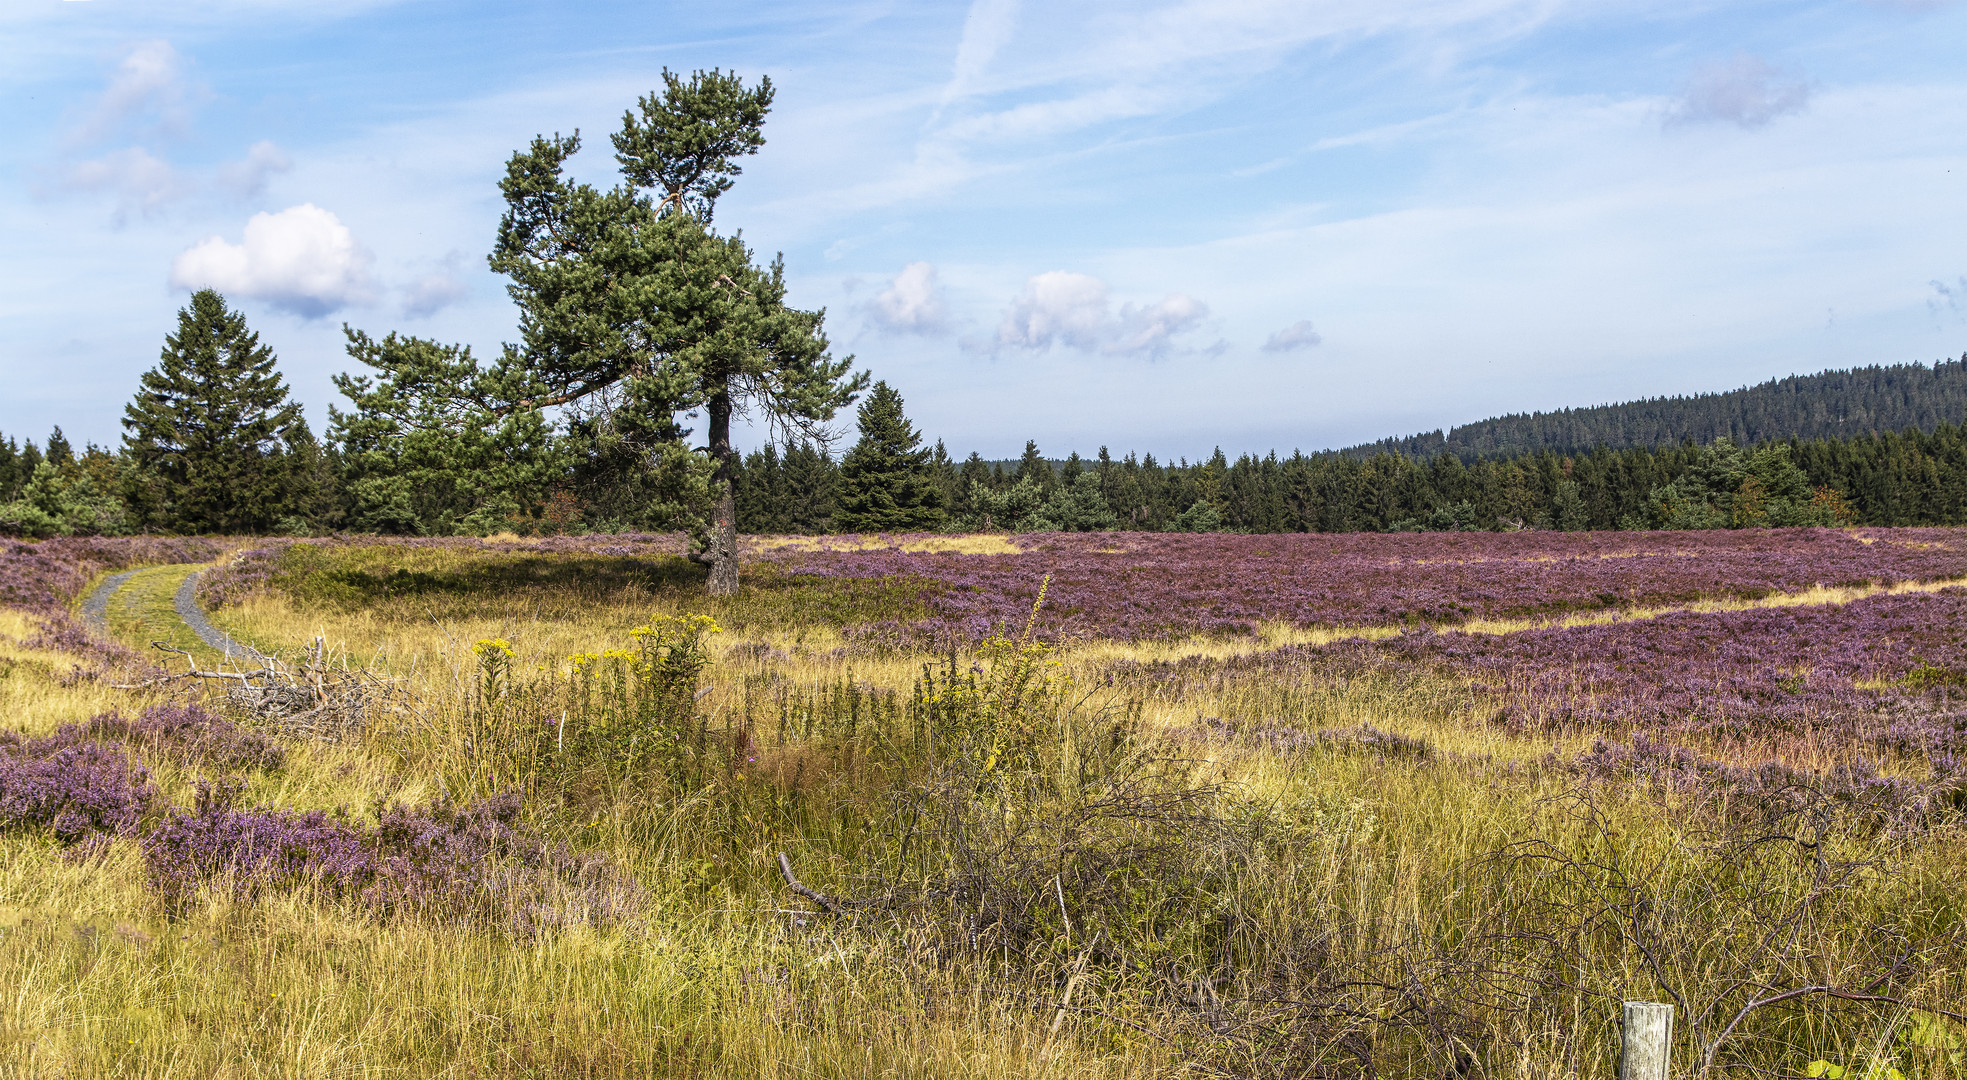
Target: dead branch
[831, 906]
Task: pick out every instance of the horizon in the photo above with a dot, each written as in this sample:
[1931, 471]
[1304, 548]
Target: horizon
[1171, 228]
[928, 439]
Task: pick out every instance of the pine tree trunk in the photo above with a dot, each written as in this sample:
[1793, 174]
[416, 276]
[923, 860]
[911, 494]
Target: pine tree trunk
[720, 553]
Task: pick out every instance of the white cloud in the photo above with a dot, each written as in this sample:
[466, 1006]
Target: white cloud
[302, 259]
[1072, 309]
[912, 303]
[246, 179]
[1746, 90]
[1298, 335]
[150, 78]
[1149, 331]
[141, 181]
[986, 30]
[435, 291]
[1057, 306]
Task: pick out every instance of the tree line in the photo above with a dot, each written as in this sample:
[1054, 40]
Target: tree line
[214, 445]
[1912, 477]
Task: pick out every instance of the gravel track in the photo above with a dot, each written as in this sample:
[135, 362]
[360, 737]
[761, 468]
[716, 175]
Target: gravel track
[95, 611]
[186, 603]
[95, 606]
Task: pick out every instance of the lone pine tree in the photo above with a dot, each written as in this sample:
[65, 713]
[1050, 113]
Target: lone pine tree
[211, 432]
[888, 483]
[633, 312]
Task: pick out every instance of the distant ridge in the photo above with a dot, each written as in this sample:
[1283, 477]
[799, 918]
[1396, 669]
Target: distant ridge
[1829, 404]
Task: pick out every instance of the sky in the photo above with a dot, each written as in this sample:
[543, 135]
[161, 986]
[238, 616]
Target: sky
[1156, 226]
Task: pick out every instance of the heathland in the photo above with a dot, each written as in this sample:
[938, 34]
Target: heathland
[1065, 805]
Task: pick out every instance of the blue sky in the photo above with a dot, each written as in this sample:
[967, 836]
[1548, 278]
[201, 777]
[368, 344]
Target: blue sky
[1157, 226]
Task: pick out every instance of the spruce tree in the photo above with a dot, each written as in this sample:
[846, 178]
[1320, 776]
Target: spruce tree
[810, 480]
[762, 504]
[211, 431]
[888, 482]
[975, 472]
[1033, 467]
[11, 479]
[60, 451]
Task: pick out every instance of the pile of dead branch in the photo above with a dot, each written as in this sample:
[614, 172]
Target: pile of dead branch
[319, 696]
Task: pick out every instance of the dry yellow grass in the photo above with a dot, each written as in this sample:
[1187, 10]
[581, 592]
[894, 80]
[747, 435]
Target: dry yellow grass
[37, 690]
[954, 544]
[98, 979]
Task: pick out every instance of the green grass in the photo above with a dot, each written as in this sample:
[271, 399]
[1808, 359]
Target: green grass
[402, 582]
[144, 611]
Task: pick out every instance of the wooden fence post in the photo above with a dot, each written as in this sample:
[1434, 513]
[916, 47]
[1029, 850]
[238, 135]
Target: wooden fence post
[1646, 1042]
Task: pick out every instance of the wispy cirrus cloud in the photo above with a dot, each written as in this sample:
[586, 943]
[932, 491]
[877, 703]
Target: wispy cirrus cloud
[148, 91]
[1084, 66]
[986, 29]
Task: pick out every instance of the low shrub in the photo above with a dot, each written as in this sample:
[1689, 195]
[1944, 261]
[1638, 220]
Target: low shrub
[190, 735]
[72, 785]
[475, 863]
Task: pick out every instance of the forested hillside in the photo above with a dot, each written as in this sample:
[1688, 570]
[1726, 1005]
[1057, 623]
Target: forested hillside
[1827, 405]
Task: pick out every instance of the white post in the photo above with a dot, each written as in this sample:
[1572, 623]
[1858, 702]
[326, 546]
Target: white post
[1646, 1046]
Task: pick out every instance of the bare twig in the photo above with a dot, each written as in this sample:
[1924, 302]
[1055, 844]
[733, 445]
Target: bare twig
[1714, 1046]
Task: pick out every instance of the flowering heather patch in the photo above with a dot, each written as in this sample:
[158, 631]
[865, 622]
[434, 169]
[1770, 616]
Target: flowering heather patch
[1140, 586]
[243, 574]
[1737, 673]
[61, 633]
[44, 577]
[476, 862]
[190, 735]
[75, 786]
[254, 850]
[1899, 804]
[1878, 671]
